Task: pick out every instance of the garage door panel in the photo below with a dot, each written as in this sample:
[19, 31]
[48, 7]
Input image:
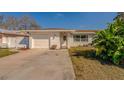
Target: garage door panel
[11, 42]
[41, 41]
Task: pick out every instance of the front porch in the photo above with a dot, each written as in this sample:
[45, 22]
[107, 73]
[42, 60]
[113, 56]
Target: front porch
[63, 40]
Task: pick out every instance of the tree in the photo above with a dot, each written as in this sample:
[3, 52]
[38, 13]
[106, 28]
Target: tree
[14, 23]
[120, 15]
[2, 22]
[11, 23]
[28, 23]
[1, 19]
[109, 43]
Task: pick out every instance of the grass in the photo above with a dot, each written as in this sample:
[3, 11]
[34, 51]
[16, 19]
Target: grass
[6, 52]
[87, 67]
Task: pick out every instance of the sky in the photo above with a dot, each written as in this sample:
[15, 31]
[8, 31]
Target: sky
[70, 20]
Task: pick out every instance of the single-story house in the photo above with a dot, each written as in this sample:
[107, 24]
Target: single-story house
[47, 38]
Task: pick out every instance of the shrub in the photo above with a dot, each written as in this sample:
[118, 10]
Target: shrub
[109, 43]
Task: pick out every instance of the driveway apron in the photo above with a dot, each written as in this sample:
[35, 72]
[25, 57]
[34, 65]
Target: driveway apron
[37, 64]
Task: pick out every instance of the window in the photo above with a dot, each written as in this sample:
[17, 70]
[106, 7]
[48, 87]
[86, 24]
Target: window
[76, 38]
[84, 37]
[80, 38]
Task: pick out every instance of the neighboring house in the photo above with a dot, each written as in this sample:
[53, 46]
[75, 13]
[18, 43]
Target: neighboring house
[48, 38]
[10, 39]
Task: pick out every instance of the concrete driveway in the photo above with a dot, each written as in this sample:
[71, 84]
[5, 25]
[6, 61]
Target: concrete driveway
[37, 64]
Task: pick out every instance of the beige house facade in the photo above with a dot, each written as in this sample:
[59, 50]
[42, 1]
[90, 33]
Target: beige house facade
[57, 38]
[60, 38]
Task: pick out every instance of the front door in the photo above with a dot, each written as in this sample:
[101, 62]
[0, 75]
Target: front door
[63, 40]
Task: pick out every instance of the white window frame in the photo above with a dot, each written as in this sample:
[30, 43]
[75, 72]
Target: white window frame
[80, 39]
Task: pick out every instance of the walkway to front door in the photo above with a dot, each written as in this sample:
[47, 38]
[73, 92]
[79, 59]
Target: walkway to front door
[37, 64]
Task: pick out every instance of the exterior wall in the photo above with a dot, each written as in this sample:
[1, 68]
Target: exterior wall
[69, 40]
[90, 38]
[39, 40]
[53, 39]
[30, 42]
[4, 39]
[6, 42]
[14, 42]
[3, 43]
[22, 42]
[72, 43]
[11, 42]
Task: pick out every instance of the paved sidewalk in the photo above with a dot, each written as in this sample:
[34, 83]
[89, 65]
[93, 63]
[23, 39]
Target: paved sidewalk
[37, 64]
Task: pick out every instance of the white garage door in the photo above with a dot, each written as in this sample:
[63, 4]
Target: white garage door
[11, 42]
[40, 41]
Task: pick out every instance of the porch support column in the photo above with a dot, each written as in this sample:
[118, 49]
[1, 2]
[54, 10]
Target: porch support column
[30, 42]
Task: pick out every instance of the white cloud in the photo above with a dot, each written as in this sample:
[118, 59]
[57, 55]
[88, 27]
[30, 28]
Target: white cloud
[59, 15]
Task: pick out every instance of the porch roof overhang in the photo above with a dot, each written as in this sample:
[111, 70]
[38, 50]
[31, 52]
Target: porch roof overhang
[83, 33]
[50, 31]
[62, 31]
[29, 32]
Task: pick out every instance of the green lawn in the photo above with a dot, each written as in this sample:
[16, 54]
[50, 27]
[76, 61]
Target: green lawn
[6, 52]
[87, 67]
